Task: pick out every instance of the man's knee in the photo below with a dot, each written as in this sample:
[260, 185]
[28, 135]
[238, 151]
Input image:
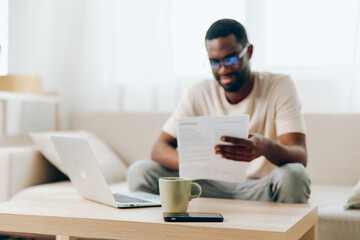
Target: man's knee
[293, 173]
[139, 175]
[293, 183]
[143, 176]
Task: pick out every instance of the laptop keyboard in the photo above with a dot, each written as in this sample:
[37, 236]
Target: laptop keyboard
[127, 199]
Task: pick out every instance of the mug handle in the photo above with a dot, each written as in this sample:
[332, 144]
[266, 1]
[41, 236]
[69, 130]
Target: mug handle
[198, 187]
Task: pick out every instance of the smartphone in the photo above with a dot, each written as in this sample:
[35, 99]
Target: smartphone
[193, 217]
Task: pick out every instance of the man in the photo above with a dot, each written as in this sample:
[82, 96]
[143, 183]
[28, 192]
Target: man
[275, 149]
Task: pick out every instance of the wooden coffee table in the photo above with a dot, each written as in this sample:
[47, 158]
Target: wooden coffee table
[68, 216]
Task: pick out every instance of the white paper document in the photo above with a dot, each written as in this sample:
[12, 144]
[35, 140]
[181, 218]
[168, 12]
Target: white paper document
[197, 138]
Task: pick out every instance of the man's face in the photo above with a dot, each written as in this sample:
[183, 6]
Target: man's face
[231, 77]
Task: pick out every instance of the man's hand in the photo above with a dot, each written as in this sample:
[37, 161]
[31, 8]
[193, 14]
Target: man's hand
[291, 149]
[242, 149]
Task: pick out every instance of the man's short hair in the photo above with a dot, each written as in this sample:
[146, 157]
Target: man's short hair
[225, 27]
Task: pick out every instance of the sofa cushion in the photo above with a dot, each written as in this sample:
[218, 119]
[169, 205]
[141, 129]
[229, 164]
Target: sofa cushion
[21, 167]
[113, 168]
[329, 195]
[335, 222]
[131, 135]
[354, 199]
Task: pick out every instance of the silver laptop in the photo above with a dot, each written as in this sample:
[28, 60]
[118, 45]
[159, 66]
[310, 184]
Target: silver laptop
[85, 174]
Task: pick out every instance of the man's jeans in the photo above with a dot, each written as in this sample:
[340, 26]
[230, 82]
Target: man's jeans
[289, 183]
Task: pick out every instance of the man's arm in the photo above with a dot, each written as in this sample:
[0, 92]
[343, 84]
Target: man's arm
[291, 149]
[165, 153]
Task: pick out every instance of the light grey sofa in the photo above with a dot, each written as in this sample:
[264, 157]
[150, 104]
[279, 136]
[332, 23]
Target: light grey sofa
[332, 142]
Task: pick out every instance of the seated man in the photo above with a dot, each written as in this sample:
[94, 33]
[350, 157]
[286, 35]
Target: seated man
[275, 149]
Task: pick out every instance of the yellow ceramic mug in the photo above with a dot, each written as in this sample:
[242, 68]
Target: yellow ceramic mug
[175, 193]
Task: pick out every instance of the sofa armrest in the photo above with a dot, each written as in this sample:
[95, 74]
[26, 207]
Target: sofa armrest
[21, 167]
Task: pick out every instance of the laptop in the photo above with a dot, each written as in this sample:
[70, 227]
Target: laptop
[85, 174]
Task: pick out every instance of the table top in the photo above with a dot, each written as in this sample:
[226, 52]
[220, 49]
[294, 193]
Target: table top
[68, 214]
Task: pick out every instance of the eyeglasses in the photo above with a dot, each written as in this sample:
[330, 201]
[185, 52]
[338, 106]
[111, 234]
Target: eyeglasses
[230, 62]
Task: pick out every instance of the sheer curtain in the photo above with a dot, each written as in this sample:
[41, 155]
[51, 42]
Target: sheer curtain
[355, 84]
[71, 44]
[316, 43]
[4, 26]
[142, 54]
[100, 43]
[89, 51]
[65, 42]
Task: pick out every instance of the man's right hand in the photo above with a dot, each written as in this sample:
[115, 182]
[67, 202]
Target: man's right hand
[165, 153]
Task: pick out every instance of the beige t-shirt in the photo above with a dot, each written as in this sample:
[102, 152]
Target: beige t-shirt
[273, 106]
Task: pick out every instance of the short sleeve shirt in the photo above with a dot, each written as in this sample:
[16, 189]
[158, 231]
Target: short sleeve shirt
[273, 106]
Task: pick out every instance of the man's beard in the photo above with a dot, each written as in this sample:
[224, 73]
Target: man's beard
[240, 80]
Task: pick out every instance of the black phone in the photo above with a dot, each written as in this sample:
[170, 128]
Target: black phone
[193, 217]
